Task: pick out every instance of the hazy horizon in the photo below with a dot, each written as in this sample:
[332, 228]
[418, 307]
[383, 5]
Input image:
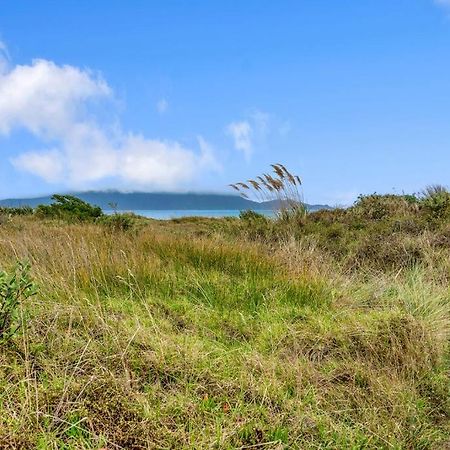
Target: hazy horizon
[115, 191]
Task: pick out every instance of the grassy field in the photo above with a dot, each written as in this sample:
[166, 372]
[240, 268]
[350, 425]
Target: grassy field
[327, 331]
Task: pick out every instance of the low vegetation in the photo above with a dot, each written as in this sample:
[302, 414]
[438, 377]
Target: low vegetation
[14, 288]
[18, 211]
[69, 208]
[322, 330]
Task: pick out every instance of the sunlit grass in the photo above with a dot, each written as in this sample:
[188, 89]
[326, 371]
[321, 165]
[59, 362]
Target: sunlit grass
[161, 338]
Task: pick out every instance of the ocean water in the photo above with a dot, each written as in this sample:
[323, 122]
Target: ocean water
[177, 213]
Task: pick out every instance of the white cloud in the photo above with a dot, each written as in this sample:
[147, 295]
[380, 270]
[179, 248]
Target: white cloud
[162, 106]
[207, 154]
[167, 164]
[241, 132]
[54, 102]
[46, 164]
[254, 130]
[44, 98]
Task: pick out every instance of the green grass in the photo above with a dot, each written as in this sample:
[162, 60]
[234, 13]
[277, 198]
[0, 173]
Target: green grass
[192, 336]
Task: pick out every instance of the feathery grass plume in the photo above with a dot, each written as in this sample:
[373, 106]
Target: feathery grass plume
[281, 187]
[255, 184]
[434, 189]
[257, 189]
[278, 170]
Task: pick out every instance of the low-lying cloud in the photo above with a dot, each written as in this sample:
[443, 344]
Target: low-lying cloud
[57, 105]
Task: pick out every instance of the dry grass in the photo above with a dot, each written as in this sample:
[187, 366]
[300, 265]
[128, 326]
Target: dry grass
[163, 337]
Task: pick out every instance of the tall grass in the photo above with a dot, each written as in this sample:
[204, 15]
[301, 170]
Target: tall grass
[191, 336]
[281, 187]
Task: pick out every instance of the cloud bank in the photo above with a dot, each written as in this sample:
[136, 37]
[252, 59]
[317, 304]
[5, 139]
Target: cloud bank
[57, 105]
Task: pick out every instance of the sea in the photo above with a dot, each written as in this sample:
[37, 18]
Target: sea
[177, 213]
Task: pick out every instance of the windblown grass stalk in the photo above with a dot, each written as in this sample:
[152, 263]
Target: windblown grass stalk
[283, 188]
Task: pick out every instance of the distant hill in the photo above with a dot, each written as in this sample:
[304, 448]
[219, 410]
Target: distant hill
[157, 201]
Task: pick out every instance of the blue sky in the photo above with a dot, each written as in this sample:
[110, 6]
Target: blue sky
[354, 96]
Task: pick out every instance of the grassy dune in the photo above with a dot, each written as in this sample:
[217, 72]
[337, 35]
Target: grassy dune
[331, 332]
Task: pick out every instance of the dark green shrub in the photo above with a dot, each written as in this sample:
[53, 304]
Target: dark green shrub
[328, 216]
[379, 207]
[384, 252]
[250, 215]
[70, 208]
[117, 222]
[18, 211]
[335, 231]
[435, 202]
[411, 198]
[409, 225]
[14, 288]
[254, 224]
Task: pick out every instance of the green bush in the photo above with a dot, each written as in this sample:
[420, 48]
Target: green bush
[70, 208]
[435, 202]
[254, 225]
[18, 211]
[252, 216]
[379, 207]
[117, 222]
[14, 288]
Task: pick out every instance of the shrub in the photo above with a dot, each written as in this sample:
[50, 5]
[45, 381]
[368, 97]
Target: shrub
[435, 202]
[254, 225]
[14, 288]
[251, 216]
[68, 207]
[386, 252]
[18, 211]
[379, 207]
[117, 222]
